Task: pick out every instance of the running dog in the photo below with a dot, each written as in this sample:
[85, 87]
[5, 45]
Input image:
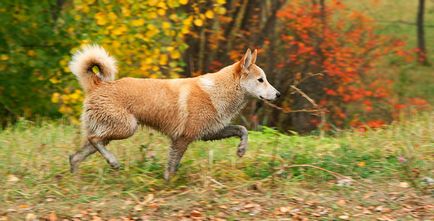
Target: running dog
[185, 109]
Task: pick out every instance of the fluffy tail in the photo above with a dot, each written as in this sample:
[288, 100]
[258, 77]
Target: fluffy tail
[84, 61]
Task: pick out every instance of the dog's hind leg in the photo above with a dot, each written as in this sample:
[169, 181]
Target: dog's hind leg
[110, 158]
[177, 150]
[231, 131]
[80, 155]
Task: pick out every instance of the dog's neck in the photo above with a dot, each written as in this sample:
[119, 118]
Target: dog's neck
[224, 89]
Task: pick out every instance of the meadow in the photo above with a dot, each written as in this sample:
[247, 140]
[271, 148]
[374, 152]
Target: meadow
[383, 174]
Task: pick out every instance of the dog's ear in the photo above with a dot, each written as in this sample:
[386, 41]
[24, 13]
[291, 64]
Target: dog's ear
[254, 54]
[246, 61]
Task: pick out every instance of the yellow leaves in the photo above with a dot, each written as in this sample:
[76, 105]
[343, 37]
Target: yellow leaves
[138, 22]
[100, 18]
[119, 30]
[209, 14]
[54, 80]
[153, 2]
[77, 17]
[112, 16]
[70, 30]
[198, 22]
[163, 59]
[116, 44]
[31, 53]
[161, 12]
[152, 30]
[361, 164]
[220, 10]
[221, 2]
[4, 57]
[145, 38]
[173, 17]
[162, 5]
[126, 11]
[55, 98]
[152, 15]
[166, 25]
[175, 55]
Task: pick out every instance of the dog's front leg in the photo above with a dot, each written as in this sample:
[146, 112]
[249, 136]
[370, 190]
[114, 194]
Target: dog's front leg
[232, 131]
[177, 150]
[110, 158]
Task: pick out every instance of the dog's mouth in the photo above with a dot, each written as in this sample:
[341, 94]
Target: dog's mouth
[264, 99]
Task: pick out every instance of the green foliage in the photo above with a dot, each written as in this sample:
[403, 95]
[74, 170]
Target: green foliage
[31, 45]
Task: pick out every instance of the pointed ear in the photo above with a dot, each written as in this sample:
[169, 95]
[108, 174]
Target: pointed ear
[246, 61]
[254, 54]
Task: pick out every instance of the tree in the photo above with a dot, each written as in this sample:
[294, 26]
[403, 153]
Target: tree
[421, 52]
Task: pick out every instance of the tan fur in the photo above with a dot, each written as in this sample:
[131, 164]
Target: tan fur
[178, 107]
[184, 109]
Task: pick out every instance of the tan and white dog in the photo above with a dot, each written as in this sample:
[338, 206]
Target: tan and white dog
[185, 110]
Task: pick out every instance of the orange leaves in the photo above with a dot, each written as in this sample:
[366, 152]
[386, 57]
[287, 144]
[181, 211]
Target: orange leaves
[343, 44]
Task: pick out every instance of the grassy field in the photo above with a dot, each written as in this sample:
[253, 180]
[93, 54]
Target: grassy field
[351, 176]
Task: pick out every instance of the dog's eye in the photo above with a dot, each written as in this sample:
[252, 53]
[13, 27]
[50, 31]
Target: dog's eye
[261, 80]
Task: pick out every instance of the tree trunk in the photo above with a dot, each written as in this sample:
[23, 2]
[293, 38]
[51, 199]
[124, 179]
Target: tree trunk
[421, 53]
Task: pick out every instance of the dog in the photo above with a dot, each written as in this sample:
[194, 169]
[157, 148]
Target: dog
[184, 109]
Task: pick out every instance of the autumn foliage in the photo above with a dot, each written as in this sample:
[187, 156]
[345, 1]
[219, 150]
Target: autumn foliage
[327, 50]
[342, 44]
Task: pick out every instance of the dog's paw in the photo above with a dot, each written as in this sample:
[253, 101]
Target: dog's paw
[115, 165]
[241, 150]
[167, 175]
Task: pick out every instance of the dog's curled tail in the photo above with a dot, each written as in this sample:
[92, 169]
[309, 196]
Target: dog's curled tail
[83, 65]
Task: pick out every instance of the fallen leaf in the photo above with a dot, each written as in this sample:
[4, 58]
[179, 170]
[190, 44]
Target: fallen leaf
[23, 206]
[344, 217]
[403, 184]
[379, 208]
[78, 215]
[250, 205]
[344, 182]
[138, 207]
[97, 218]
[366, 211]
[149, 198]
[368, 195]
[223, 207]
[12, 178]
[31, 217]
[195, 213]
[52, 216]
[341, 202]
[284, 209]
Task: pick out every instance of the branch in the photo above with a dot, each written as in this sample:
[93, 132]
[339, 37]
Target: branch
[286, 110]
[305, 96]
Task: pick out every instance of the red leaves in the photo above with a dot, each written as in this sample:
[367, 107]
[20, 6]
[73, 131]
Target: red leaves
[344, 45]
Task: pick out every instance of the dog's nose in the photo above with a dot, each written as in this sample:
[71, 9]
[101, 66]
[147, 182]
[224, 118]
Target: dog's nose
[278, 94]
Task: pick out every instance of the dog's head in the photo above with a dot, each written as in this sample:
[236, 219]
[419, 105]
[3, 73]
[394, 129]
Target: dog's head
[253, 79]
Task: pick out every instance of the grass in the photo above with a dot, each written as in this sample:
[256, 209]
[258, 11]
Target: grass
[33, 161]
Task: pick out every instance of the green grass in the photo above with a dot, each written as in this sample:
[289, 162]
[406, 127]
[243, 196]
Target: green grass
[37, 156]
